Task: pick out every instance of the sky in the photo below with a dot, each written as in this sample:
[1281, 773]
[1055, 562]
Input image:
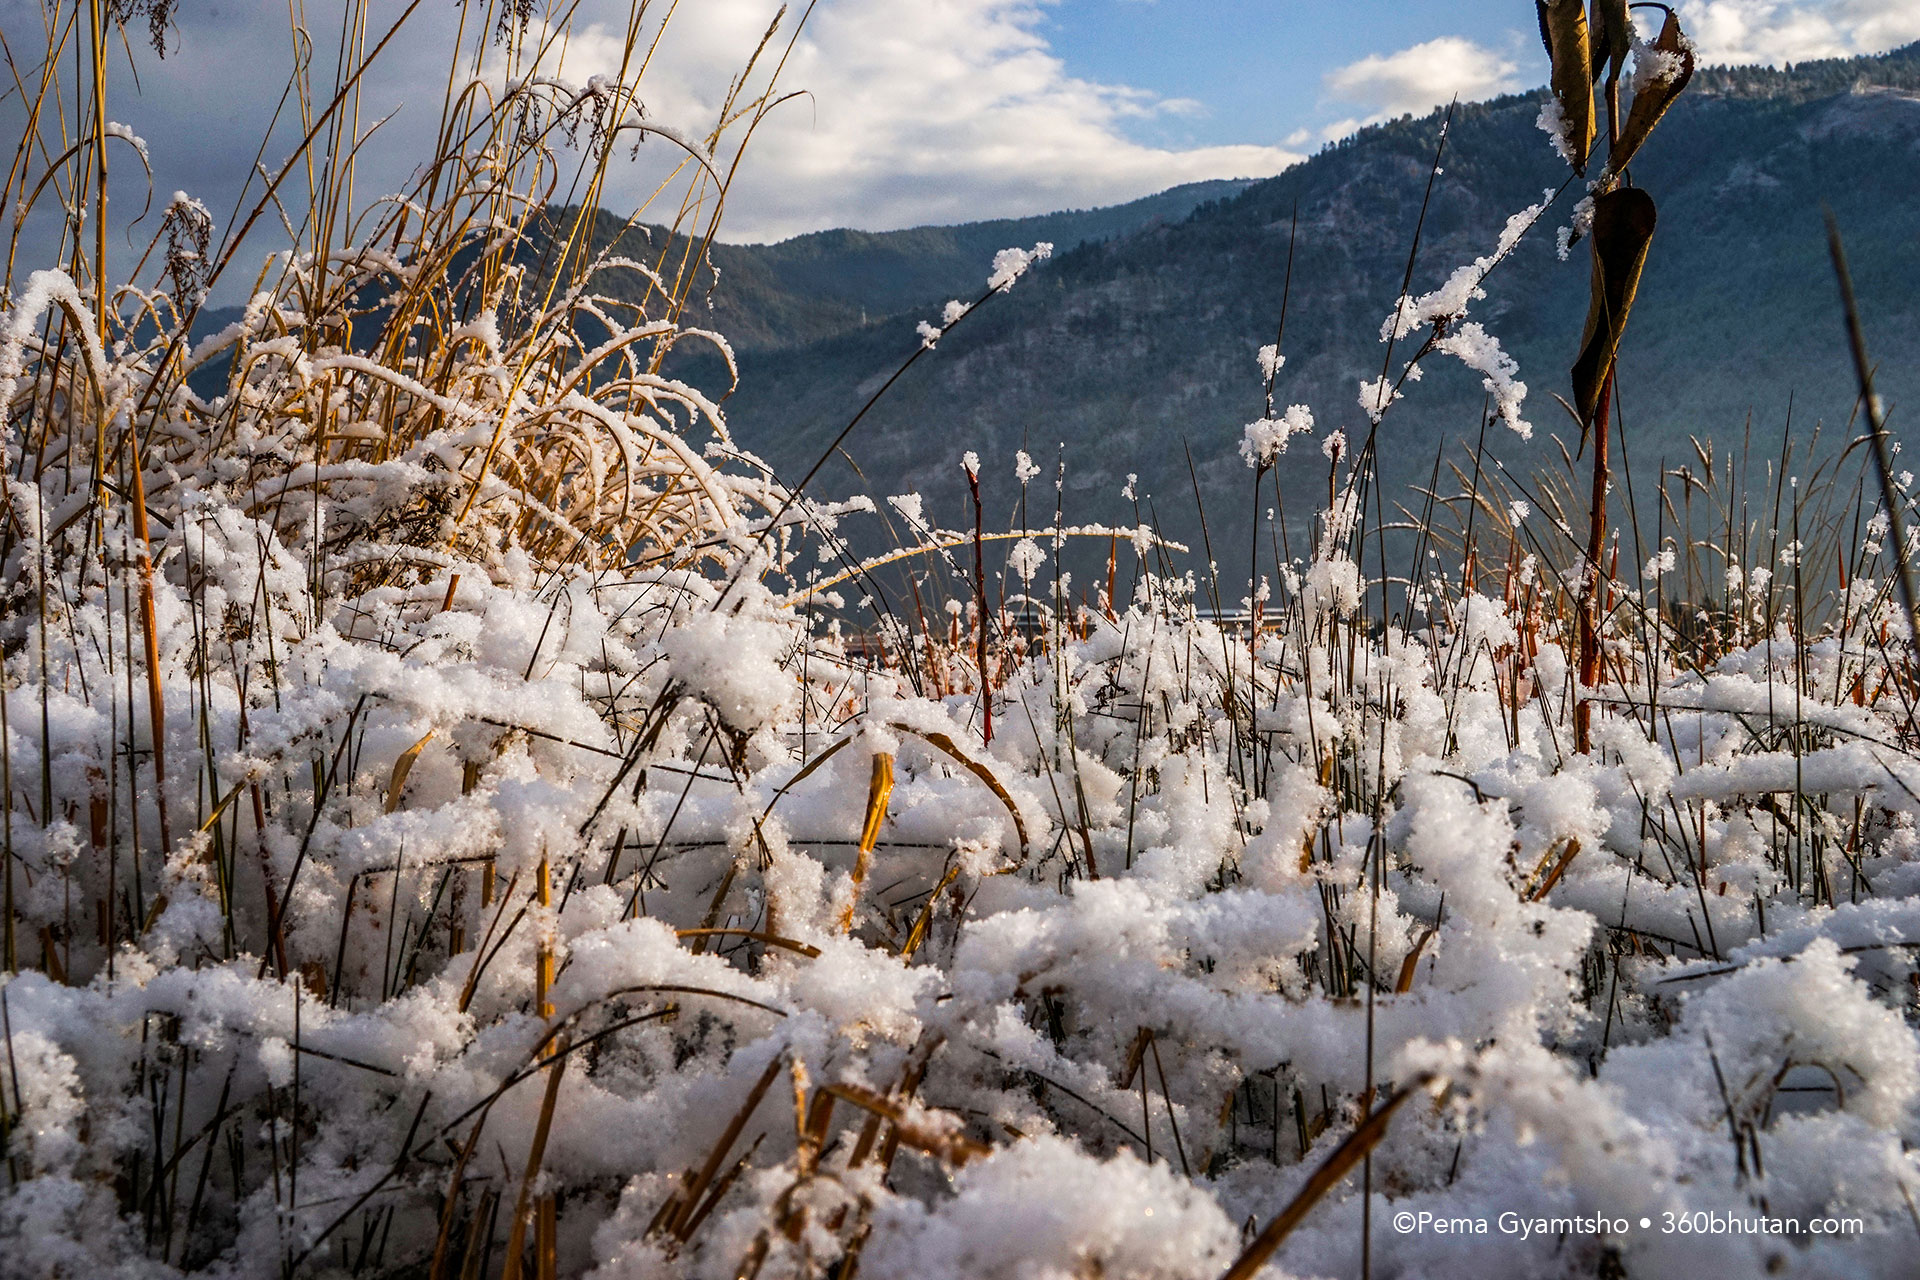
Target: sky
[934, 111]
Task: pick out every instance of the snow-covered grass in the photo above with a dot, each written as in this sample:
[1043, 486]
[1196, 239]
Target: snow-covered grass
[450, 833]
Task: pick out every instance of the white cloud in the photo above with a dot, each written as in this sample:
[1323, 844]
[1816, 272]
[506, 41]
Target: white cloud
[1782, 31]
[1345, 125]
[1422, 77]
[1427, 75]
[935, 111]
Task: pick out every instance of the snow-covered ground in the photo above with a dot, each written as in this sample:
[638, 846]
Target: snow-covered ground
[1096, 999]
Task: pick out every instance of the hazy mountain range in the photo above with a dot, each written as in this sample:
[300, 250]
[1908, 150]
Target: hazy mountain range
[1138, 340]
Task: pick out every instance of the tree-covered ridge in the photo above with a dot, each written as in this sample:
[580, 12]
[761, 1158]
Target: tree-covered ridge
[818, 285]
[1132, 349]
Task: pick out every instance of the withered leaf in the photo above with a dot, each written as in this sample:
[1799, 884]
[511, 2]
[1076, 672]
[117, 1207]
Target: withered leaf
[1623, 221]
[1610, 36]
[1657, 92]
[1563, 28]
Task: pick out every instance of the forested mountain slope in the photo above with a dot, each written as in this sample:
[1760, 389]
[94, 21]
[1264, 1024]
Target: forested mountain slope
[1131, 349]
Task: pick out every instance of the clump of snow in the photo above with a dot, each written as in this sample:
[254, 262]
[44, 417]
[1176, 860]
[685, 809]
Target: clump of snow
[735, 663]
[1044, 1210]
[1552, 121]
[1479, 350]
[1580, 227]
[1270, 362]
[1444, 310]
[950, 315]
[1265, 440]
[1376, 396]
[1010, 264]
[1025, 559]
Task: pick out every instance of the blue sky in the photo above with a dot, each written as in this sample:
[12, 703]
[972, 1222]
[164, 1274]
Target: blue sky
[1257, 67]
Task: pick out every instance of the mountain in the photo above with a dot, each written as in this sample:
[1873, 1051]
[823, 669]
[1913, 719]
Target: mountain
[815, 287]
[1139, 343]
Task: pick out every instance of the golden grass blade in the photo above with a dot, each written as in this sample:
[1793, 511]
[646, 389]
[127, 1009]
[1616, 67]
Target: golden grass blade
[401, 768]
[978, 770]
[879, 791]
[1559, 869]
[1324, 1179]
[218, 809]
[677, 1219]
[536, 1154]
[480, 953]
[955, 1148]
[918, 934]
[769, 939]
[1411, 964]
[806, 771]
[454, 1181]
[543, 951]
[725, 886]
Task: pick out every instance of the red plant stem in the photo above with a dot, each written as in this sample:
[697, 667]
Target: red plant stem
[1591, 605]
[980, 596]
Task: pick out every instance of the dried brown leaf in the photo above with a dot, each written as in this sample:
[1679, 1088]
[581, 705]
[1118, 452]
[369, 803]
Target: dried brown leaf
[1623, 222]
[1563, 29]
[1657, 93]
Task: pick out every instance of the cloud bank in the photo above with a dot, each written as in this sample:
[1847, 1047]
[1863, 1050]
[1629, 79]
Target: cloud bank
[1741, 32]
[929, 112]
[1782, 31]
[1423, 77]
[939, 111]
